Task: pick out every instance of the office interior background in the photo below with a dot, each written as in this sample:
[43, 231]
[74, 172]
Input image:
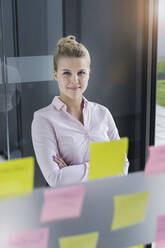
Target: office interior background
[126, 40]
[122, 39]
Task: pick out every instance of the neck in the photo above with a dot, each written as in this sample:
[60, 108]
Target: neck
[73, 105]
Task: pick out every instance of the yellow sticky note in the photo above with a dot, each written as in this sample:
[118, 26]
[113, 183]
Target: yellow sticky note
[107, 158]
[16, 177]
[137, 246]
[129, 209]
[80, 241]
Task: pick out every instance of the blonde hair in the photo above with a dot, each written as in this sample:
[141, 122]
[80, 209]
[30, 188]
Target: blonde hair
[69, 47]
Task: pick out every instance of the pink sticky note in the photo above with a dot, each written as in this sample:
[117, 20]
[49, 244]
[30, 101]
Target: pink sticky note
[32, 239]
[160, 232]
[62, 203]
[156, 160]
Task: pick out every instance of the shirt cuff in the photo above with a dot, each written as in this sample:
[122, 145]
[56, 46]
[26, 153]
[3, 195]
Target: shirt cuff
[85, 177]
[126, 166]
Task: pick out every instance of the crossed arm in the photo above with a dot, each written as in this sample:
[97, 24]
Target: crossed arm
[52, 165]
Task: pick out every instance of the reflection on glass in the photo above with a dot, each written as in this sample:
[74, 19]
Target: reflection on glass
[30, 69]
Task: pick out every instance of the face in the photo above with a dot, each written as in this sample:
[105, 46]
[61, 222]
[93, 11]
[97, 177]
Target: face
[72, 76]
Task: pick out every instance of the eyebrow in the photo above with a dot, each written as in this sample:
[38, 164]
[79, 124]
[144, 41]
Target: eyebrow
[70, 70]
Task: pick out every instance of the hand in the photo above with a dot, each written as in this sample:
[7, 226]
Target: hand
[59, 160]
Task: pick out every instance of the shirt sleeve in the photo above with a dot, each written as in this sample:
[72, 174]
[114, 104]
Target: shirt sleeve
[113, 134]
[45, 147]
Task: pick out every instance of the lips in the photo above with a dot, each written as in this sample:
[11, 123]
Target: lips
[73, 88]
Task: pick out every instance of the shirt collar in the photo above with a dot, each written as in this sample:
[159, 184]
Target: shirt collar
[59, 104]
[85, 102]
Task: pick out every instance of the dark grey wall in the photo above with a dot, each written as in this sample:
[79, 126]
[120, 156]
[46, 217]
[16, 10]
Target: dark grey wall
[110, 30]
[113, 30]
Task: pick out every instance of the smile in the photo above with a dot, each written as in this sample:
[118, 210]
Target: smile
[73, 88]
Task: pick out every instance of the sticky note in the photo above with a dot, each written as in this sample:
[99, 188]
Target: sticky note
[129, 209]
[80, 241]
[16, 177]
[160, 232]
[107, 158]
[156, 160]
[31, 239]
[62, 203]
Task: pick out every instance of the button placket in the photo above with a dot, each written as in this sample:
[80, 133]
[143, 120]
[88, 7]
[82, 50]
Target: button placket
[84, 119]
[87, 134]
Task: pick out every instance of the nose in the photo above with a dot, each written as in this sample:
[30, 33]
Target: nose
[75, 79]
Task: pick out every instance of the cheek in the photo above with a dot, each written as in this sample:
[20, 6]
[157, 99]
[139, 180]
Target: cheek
[64, 81]
[84, 81]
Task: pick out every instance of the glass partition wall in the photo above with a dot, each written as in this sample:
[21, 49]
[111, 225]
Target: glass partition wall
[119, 36]
[160, 86]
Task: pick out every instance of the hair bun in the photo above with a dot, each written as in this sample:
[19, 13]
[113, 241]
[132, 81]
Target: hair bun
[71, 37]
[65, 41]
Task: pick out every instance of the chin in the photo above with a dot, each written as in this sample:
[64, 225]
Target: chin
[75, 95]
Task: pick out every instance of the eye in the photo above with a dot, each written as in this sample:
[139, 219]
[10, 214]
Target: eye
[81, 73]
[66, 73]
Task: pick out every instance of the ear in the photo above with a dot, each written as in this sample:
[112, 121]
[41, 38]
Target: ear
[55, 75]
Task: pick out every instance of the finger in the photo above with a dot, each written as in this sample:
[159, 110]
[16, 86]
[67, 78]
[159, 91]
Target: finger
[60, 164]
[55, 158]
[58, 157]
[61, 159]
[57, 161]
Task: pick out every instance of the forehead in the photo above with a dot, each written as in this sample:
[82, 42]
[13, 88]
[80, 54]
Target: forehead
[73, 63]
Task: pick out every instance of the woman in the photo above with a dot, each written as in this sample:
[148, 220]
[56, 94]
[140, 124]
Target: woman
[62, 131]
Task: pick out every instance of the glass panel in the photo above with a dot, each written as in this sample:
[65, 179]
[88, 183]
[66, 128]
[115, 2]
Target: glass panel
[30, 80]
[3, 126]
[160, 94]
[160, 97]
[117, 43]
